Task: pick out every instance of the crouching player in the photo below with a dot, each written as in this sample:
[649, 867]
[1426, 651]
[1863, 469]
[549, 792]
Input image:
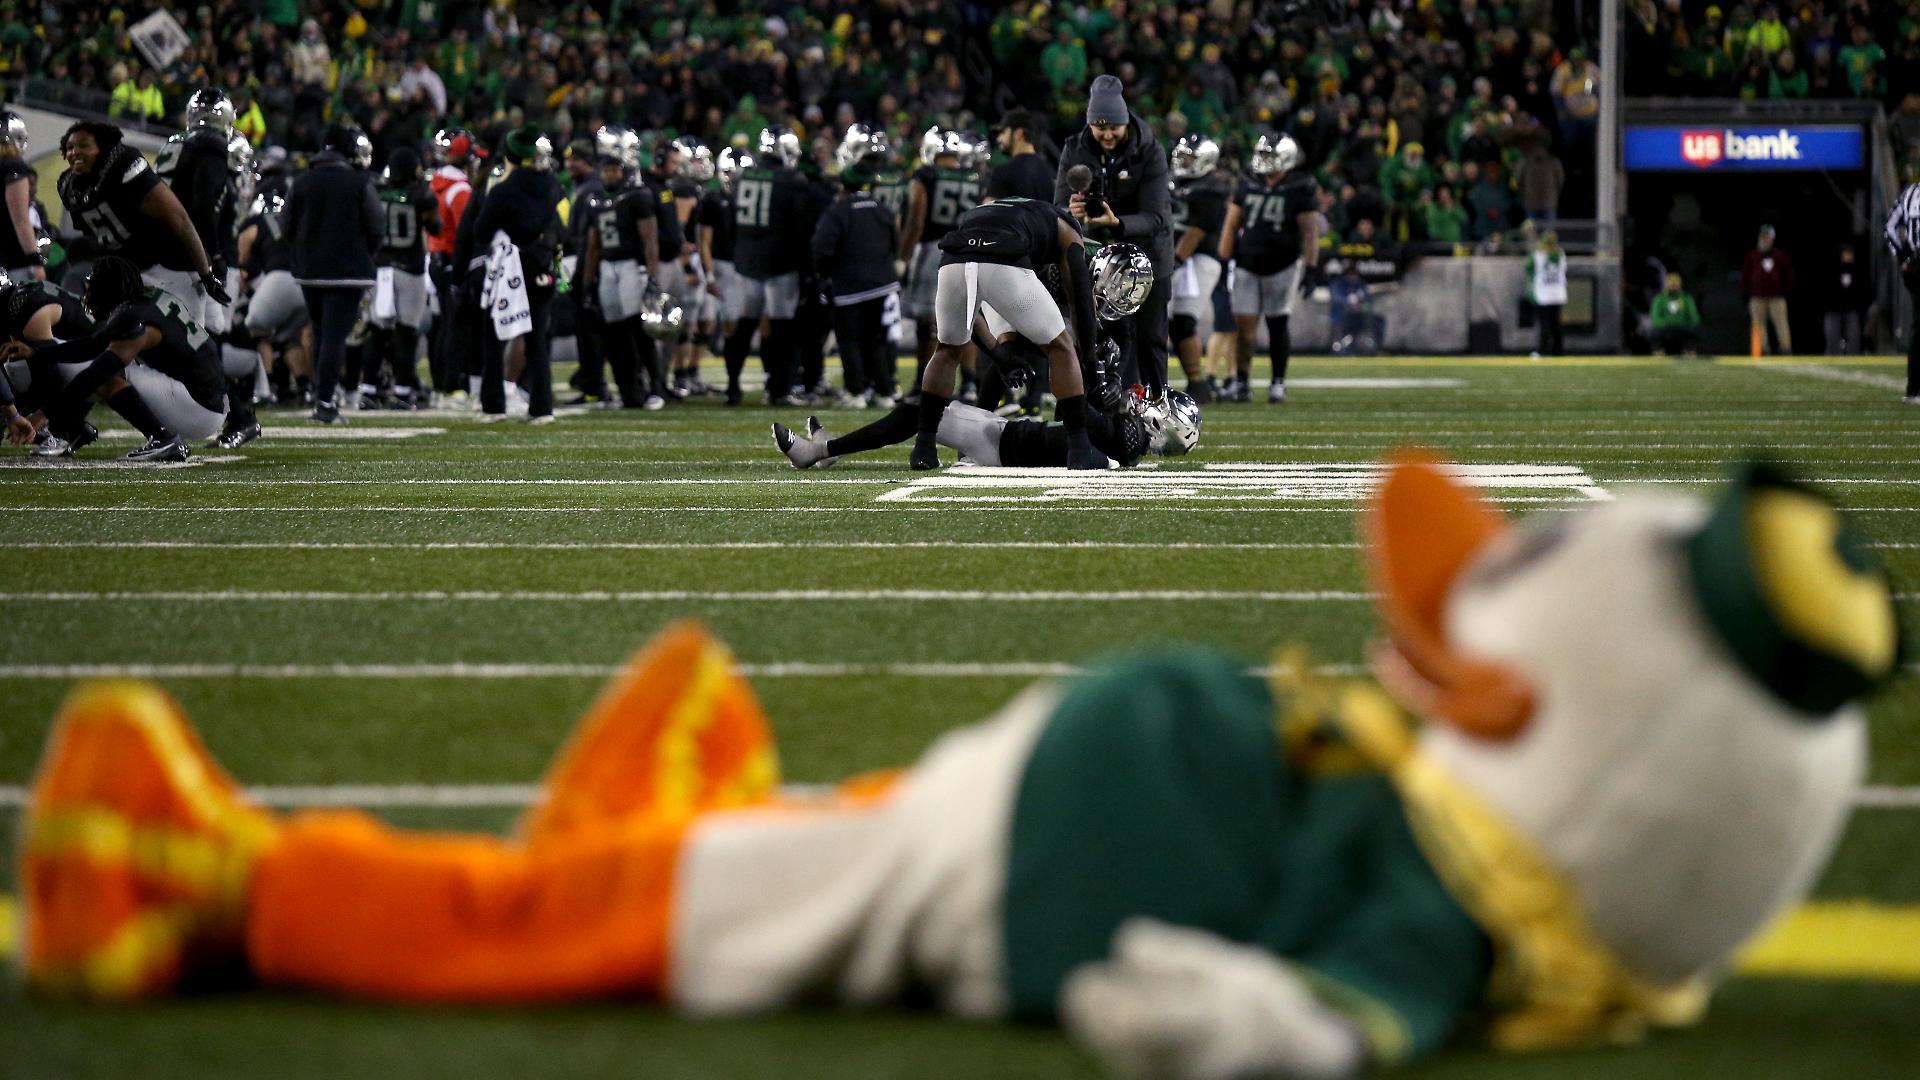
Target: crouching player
[153, 363]
[993, 257]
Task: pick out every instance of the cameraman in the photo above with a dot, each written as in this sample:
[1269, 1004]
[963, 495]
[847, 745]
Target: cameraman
[1130, 199]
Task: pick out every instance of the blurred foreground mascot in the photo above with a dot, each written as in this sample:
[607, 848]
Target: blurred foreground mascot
[1604, 752]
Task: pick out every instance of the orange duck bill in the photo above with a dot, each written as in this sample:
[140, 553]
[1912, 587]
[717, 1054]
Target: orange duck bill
[1421, 532]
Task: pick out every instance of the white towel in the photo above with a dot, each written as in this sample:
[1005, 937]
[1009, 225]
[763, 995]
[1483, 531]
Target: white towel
[383, 304]
[1185, 282]
[505, 291]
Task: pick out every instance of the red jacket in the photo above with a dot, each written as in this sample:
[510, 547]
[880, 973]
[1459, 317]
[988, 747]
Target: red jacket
[1766, 274]
[451, 191]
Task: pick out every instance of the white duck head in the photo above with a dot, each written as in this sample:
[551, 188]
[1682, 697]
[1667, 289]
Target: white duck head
[1661, 694]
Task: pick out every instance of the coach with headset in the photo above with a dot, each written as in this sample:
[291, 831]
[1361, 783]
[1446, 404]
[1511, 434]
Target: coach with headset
[1124, 194]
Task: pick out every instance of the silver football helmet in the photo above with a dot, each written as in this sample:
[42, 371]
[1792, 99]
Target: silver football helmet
[619, 145]
[779, 143]
[210, 107]
[13, 131]
[1172, 422]
[729, 164]
[972, 148]
[1274, 155]
[267, 202]
[240, 167]
[856, 145]
[660, 317]
[544, 159]
[1122, 278]
[932, 144]
[1194, 156]
[696, 161]
[362, 150]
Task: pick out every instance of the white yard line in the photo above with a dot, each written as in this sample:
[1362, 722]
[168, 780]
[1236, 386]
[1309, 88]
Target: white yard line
[688, 595]
[891, 508]
[1839, 375]
[512, 796]
[350, 433]
[674, 545]
[783, 670]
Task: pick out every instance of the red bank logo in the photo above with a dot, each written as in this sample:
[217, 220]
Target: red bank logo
[1700, 148]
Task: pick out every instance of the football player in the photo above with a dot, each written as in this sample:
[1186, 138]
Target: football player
[1272, 236]
[677, 190]
[38, 312]
[771, 233]
[276, 309]
[209, 166]
[124, 209]
[20, 253]
[623, 257]
[938, 192]
[458, 158]
[722, 302]
[1199, 211]
[147, 344]
[696, 169]
[991, 258]
[410, 215]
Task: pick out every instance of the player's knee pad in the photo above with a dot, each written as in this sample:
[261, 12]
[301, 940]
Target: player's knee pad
[1183, 327]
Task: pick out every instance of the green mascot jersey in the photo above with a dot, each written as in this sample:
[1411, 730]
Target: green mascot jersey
[1160, 787]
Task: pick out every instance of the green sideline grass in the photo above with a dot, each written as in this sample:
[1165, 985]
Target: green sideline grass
[1621, 423]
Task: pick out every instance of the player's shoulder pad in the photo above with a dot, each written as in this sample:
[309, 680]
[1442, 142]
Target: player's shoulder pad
[204, 139]
[125, 165]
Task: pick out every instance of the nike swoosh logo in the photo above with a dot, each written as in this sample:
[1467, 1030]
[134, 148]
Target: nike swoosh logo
[988, 243]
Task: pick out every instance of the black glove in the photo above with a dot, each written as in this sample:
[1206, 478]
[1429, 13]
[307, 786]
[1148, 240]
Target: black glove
[215, 288]
[1310, 279]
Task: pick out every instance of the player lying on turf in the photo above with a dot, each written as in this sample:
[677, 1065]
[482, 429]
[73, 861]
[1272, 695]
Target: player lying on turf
[148, 358]
[1141, 426]
[1603, 753]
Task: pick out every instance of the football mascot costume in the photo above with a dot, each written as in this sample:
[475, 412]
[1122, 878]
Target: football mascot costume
[1604, 751]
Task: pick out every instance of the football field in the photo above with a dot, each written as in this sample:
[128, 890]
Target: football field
[409, 612]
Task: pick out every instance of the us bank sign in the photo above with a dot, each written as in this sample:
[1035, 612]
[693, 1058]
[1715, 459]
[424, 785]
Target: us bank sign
[1702, 147]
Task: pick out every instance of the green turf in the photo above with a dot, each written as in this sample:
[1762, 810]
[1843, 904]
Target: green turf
[583, 506]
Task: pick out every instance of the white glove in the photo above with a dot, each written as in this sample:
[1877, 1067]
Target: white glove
[1179, 1003]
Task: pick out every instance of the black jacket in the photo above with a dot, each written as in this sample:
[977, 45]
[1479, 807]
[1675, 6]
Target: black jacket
[333, 223]
[1135, 182]
[525, 205]
[853, 248]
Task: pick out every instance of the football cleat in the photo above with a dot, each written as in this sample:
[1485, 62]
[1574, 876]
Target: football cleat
[326, 412]
[52, 446]
[816, 430]
[654, 403]
[925, 457]
[168, 447]
[1276, 393]
[545, 418]
[804, 453]
[234, 438]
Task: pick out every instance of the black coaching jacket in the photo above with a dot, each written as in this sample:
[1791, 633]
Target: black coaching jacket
[1134, 181]
[334, 224]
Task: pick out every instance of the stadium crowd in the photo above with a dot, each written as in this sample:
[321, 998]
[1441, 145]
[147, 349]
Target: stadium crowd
[1450, 122]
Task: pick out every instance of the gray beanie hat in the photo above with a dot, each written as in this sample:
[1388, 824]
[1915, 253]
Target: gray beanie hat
[1105, 103]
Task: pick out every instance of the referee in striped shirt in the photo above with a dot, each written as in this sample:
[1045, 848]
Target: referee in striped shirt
[1903, 237]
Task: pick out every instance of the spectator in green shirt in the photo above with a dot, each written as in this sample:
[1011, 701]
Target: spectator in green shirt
[458, 64]
[1065, 61]
[1676, 320]
[1788, 80]
[1446, 218]
[1860, 57]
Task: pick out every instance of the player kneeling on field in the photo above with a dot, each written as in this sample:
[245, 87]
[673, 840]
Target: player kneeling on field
[1604, 752]
[147, 344]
